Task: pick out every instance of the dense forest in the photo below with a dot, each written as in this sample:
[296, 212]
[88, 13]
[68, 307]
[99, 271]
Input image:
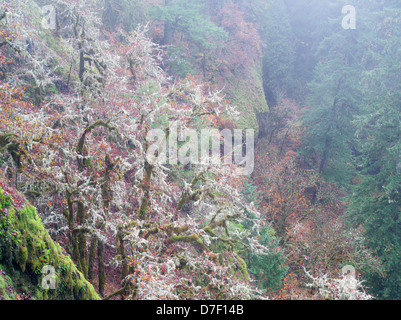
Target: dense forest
[200, 150]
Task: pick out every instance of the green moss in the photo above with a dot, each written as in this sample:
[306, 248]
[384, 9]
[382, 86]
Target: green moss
[22, 257]
[7, 286]
[27, 248]
[242, 268]
[248, 96]
[5, 201]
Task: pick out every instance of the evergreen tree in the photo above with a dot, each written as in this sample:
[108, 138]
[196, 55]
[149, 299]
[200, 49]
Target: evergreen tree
[187, 18]
[332, 102]
[267, 269]
[279, 49]
[375, 202]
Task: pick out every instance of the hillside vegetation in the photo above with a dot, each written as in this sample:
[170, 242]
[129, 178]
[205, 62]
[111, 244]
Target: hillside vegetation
[103, 107]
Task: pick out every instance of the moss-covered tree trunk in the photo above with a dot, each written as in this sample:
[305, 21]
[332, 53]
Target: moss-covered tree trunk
[81, 239]
[92, 256]
[101, 267]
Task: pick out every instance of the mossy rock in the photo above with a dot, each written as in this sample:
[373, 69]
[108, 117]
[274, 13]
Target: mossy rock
[26, 248]
[247, 94]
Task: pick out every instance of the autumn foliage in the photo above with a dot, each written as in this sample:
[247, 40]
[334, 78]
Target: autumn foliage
[77, 105]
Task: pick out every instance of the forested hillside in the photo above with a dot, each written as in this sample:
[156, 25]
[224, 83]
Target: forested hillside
[200, 149]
